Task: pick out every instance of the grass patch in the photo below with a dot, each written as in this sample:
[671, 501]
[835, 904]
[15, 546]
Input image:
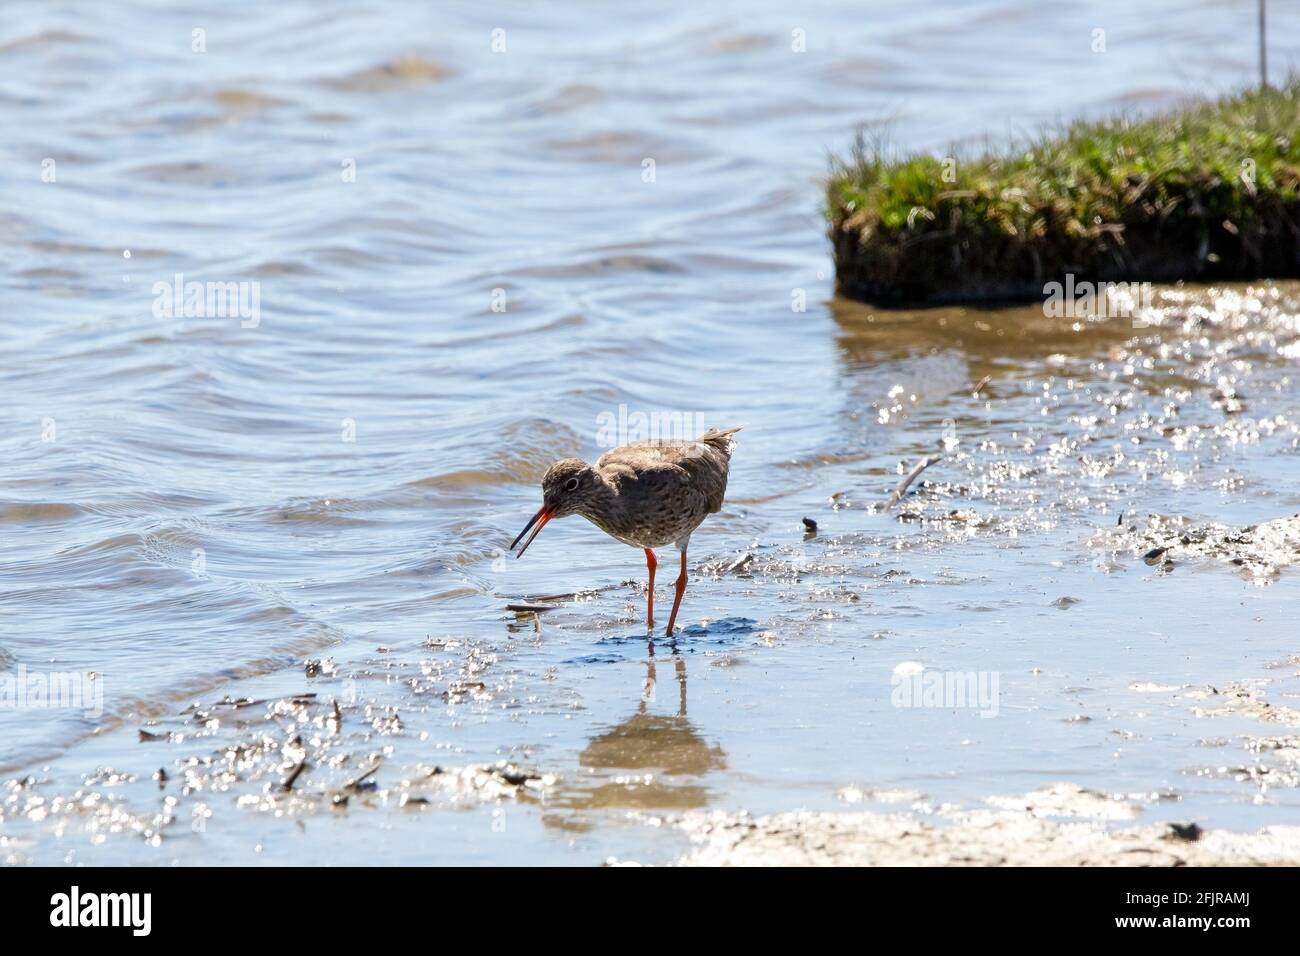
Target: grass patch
[1208, 192]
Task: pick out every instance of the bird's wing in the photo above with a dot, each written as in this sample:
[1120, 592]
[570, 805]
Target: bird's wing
[697, 465]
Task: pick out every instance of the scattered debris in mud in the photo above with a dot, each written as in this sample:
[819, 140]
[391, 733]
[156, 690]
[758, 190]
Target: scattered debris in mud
[1269, 762]
[1242, 700]
[1261, 551]
[292, 755]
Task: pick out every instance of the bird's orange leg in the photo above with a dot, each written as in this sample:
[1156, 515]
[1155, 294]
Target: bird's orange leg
[651, 564]
[677, 600]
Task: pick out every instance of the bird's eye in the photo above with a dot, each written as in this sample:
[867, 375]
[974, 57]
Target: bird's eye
[571, 484]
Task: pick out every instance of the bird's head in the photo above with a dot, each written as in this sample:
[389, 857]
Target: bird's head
[568, 487]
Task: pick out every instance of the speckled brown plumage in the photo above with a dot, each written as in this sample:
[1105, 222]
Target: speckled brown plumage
[645, 494]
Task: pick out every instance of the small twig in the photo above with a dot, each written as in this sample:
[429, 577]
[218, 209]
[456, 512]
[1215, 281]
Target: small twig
[297, 772]
[336, 718]
[982, 382]
[903, 485]
[359, 778]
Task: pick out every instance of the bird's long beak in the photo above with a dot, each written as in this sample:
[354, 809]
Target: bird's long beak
[543, 515]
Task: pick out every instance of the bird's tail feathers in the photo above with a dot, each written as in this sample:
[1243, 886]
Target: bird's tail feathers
[721, 440]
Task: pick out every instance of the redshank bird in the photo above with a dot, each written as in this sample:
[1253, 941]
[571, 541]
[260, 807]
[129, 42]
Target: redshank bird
[647, 494]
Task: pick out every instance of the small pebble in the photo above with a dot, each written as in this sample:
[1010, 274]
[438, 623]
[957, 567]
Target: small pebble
[1191, 832]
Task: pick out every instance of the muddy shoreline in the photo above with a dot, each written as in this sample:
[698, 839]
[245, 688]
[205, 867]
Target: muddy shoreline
[972, 838]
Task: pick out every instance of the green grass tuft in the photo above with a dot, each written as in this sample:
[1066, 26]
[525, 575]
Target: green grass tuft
[1210, 192]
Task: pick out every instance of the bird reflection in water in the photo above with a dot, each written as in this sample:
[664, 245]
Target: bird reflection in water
[656, 760]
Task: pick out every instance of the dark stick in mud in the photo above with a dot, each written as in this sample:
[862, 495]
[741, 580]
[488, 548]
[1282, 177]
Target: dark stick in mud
[360, 778]
[293, 777]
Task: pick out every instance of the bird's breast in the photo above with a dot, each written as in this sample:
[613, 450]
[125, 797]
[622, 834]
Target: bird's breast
[651, 531]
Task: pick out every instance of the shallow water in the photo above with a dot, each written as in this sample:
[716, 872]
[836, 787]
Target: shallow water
[194, 506]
